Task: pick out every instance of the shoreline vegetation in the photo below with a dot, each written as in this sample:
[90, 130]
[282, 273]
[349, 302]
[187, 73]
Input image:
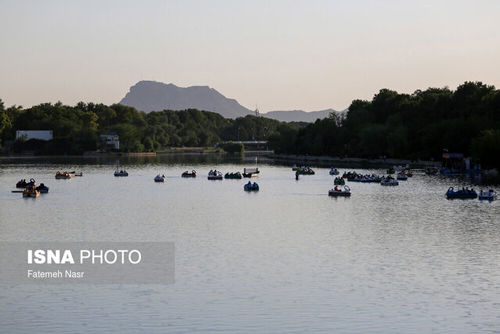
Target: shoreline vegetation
[409, 127]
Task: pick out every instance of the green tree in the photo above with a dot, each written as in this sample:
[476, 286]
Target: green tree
[486, 148]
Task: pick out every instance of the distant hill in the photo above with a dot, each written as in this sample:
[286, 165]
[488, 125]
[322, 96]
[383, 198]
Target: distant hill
[154, 96]
[299, 115]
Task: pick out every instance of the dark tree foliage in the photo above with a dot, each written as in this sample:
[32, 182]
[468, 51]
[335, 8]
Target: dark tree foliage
[486, 147]
[233, 148]
[413, 126]
[77, 129]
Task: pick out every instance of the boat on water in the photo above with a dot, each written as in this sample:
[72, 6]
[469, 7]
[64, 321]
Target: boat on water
[402, 176]
[215, 175]
[489, 195]
[339, 181]
[63, 176]
[305, 171]
[337, 192]
[250, 172]
[160, 178]
[21, 184]
[365, 178]
[388, 181]
[251, 186]
[73, 173]
[371, 179]
[431, 170]
[42, 188]
[121, 172]
[236, 176]
[357, 178]
[464, 193]
[350, 175]
[334, 171]
[31, 191]
[188, 174]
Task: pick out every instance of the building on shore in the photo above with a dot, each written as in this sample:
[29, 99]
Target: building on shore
[249, 145]
[111, 140]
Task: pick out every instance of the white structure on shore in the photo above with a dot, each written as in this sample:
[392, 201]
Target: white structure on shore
[112, 140]
[34, 134]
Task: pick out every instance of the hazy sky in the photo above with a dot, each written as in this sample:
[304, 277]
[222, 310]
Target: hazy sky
[278, 55]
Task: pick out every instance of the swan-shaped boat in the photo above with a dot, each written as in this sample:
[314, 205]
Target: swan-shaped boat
[42, 188]
[236, 176]
[350, 175]
[31, 191]
[337, 192]
[339, 181]
[388, 181]
[160, 178]
[63, 176]
[464, 193]
[431, 170]
[121, 173]
[489, 195]
[305, 171]
[366, 178]
[334, 171]
[215, 175]
[402, 176]
[251, 186]
[187, 174]
[21, 184]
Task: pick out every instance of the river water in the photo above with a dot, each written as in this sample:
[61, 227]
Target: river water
[288, 259]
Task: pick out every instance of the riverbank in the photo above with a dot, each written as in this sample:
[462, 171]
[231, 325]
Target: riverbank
[327, 161]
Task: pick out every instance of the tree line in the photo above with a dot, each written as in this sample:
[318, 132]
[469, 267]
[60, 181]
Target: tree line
[413, 126]
[76, 129]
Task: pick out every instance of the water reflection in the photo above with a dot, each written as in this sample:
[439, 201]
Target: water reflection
[286, 259]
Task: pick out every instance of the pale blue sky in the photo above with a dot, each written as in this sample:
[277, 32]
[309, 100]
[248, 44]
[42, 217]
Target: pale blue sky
[278, 55]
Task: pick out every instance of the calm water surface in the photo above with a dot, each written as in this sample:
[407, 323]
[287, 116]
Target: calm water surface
[288, 259]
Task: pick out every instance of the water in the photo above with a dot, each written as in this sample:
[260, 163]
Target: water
[288, 259]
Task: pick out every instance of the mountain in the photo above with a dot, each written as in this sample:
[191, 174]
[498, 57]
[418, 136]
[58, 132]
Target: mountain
[299, 115]
[154, 96]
